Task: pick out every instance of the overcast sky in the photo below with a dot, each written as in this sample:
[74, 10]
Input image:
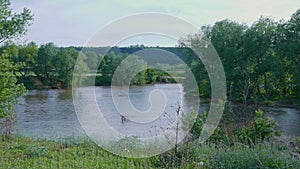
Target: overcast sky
[73, 22]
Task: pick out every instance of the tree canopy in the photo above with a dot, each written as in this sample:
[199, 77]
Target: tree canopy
[11, 25]
[261, 61]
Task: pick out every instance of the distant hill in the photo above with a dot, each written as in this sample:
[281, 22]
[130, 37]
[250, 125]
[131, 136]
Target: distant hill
[157, 54]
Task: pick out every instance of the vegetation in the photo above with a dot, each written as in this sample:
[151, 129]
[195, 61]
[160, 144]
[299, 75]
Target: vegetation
[18, 152]
[250, 132]
[261, 61]
[49, 66]
[11, 25]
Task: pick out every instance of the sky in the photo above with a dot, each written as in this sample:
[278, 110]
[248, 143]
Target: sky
[74, 22]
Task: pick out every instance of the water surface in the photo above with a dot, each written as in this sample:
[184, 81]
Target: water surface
[50, 114]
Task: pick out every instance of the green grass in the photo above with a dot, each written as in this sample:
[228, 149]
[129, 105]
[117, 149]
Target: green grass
[19, 152]
[22, 153]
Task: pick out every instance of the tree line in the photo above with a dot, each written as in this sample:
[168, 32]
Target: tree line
[261, 61]
[49, 66]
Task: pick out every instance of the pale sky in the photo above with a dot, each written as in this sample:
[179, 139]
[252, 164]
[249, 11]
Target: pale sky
[73, 22]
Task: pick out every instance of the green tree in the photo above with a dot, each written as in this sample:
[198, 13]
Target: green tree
[26, 60]
[64, 63]
[107, 67]
[44, 63]
[151, 75]
[110, 63]
[9, 90]
[196, 66]
[288, 42]
[11, 25]
[294, 25]
[81, 71]
[92, 60]
[259, 42]
[261, 61]
[227, 36]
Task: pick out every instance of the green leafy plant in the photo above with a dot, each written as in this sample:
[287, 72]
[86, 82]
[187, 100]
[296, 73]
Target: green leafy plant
[37, 152]
[262, 129]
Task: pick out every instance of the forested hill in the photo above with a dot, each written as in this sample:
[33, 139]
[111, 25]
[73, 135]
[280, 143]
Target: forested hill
[178, 51]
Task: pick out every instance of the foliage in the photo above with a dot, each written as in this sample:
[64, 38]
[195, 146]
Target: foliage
[49, 66]
[260, 156]
[261, 61]
[64, 63]
[9, 90]
[127, 64]
[126, 70]
[20, 152]
[12, 24]
[262, 129]
[92, 60]
[44, 67]
[217, 137]
[26, 59]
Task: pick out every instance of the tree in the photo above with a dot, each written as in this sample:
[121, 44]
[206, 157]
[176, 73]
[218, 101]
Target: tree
[127, 65]
[26, 60]
[11, 24]
[9, 90]
[294, 25]
[196, 66]
[287, 47]
[44, 68]
[64, 63]
[92, 60]
[227, 38]
[80, 73]
[261, 61]
[107, 67]
[259, 47]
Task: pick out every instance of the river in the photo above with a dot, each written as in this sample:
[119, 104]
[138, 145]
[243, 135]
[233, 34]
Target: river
[50, 114]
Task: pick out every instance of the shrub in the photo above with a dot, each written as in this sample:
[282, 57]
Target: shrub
[217, 137]
[262, 129]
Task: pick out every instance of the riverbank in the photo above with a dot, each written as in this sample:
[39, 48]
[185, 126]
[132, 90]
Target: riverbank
[21, 152]
[291, 103]
[36, 84]
[288, 103]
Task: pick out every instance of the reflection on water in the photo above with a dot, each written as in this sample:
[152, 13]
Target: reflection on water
[47, 114]
[50, 113]
[288, 120]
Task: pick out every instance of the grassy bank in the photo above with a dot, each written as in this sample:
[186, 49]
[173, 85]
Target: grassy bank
[19, 152]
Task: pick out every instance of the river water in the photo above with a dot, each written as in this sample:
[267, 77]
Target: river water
[50, 114]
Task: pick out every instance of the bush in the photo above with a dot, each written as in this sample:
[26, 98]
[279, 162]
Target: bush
[260, 156]
[262, 129]
[217, 137]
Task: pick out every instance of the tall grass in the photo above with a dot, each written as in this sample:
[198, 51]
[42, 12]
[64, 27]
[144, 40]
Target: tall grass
[19, 152]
